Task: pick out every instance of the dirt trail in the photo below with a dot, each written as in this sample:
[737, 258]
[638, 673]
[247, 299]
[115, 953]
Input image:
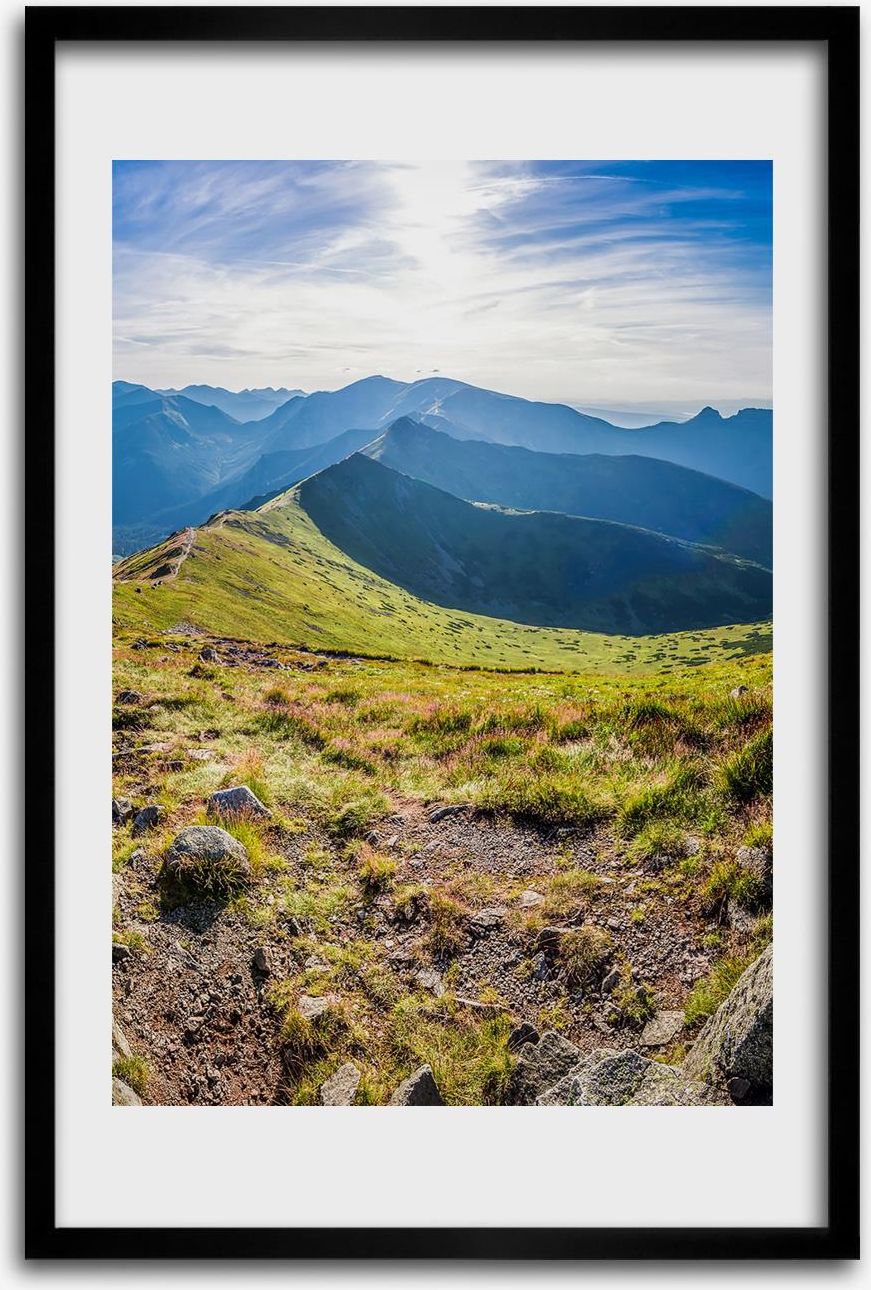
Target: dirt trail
[194, 1005]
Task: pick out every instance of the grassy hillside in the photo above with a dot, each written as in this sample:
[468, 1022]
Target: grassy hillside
[273, 576]
[541, 568]
[629, 490]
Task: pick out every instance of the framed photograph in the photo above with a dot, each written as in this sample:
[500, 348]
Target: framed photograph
[467, 400]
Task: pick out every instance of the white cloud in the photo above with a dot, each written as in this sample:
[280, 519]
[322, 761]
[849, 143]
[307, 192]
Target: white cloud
[533, 284]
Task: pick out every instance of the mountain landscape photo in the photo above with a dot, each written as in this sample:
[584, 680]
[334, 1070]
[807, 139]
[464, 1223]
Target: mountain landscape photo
[442, 553]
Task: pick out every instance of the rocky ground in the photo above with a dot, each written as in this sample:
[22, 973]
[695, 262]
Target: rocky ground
[439, 951]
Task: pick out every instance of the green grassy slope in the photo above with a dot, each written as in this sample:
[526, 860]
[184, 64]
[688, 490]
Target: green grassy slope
[537, 567]
[273, 576]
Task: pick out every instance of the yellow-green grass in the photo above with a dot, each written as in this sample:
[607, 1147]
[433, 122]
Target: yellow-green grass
[639, 763]
[273, 576]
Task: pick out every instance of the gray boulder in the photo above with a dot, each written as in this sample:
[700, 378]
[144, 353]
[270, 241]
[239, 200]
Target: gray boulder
[230, 802]
[341, 1087]
[123, 1095]
[540, 1066]
[626, 1078]
[148, 818]
[661, 1029]
[122, 810]
[209, 859]
[737, 1042]
[420, 1089]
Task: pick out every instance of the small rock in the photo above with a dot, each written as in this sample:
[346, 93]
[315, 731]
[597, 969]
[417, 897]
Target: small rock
[120, 1046]
[200, 754]
[123, 1094]
[230, 802]
[611, 981]
[442, 812]
[738, 1088]
[692, 846]
[148, 818]
[738, 692]
[120, 952]
[311, 1007]
[548, 939]
[372, 838]
[202, 853]
[664, 1028]
[128, 696]
[261, 960]
[540, 968]
[528, 899]
[525, 1033]
[122, 810]
[420, 1089]
[759, 862]
[392, 842]
[431, 980]
[614, 924]
[487, 920]
[341, 1087]
[209, 655]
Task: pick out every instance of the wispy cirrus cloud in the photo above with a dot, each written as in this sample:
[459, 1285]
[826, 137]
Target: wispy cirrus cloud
[609, 282]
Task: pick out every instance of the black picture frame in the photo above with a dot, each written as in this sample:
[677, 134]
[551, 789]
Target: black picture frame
[838, 30]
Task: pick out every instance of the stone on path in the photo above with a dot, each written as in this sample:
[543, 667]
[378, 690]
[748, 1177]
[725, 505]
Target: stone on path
[206, 856]
[420, 1089]
[231, 802]
[442, 812]
[148, 818]
[341, 1087]
[661, 1029]
[123, 1094]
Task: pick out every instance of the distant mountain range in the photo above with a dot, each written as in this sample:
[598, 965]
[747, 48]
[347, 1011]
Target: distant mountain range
[242, 405]
[173, 448]
[641, 491]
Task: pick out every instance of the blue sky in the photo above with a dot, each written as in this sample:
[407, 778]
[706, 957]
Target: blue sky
[613, 282]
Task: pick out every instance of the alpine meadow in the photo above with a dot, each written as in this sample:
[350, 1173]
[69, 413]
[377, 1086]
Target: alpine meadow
[442, 701]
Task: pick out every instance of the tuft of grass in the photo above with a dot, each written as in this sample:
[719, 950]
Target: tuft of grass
[633, 1001]
[707, 994]
[749, 772]
[448, 919]
[133, 1071]
[759, 834]
[547, 799]
[376, 872]
[728, 880]
[659, 838]
[582, 955]
[680, 797]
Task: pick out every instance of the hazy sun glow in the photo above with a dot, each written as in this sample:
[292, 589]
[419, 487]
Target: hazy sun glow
[607, 282]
